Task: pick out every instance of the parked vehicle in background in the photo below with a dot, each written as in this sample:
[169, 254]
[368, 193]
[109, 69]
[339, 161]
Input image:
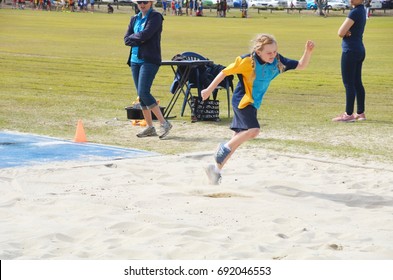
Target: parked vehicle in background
[297, 4]
[347, 4]
[255, 3]
[311, 5]
[376, 4]
[229, 3]
[237, 3]
[208, 3]
[336, 5]
[275, 3]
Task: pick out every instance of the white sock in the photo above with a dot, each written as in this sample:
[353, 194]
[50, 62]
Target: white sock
[217, 170]
[227, 146]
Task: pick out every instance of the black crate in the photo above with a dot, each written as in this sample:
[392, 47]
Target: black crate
[136, 113]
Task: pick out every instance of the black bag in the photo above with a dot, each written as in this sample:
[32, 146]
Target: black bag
[208, 110]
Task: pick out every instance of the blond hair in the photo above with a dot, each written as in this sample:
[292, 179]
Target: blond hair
[259, 42]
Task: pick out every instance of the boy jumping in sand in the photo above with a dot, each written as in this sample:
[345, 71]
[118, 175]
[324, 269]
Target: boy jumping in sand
[255, 71]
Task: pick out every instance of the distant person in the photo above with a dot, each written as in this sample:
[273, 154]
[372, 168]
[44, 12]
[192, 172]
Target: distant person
[244, 8]
[144, 37]
[191, 6]
[173, 7]
[178, 8]
[164, 8]
[196, 5]
[187, 5]
[224, 8]
[255, 71]
[199, 13]
[92, 5]
[21, 4]
[71, 5]
[368, 6]
[352, 57]
[110, 9]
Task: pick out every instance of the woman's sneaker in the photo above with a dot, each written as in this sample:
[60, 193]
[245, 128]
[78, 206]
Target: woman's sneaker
[213, 176]
[165, 128]
[221, 153]
[344, 118]
[360, 117]
[147, 132]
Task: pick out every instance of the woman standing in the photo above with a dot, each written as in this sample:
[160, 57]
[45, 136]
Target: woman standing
[144, 38]
[353, 55]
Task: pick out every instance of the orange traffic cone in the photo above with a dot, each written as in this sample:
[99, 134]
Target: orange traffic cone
[80, 135]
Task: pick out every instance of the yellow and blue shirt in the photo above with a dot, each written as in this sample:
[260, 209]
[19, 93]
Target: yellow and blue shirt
[254, 81]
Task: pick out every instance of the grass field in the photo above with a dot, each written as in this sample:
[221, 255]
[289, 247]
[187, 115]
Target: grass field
[56, 68]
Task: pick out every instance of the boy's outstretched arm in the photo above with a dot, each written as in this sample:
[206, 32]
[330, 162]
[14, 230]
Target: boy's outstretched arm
[217, 80]
[305, 59]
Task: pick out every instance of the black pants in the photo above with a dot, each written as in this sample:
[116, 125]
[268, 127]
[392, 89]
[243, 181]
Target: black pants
[351, 72]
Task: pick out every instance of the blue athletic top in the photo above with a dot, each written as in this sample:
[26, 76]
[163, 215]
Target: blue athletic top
[355, 41]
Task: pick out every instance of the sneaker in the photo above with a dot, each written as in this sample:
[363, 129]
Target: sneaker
[212, 175]
[221, 153]
[360, 117]
[147, 132]
[344, 118]
[166, 127]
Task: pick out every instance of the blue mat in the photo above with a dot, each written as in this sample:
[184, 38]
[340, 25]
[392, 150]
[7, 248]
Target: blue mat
[18, 149]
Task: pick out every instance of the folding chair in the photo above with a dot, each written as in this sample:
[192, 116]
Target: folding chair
[195, 81]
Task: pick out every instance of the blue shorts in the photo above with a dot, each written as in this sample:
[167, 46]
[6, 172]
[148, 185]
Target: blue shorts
[244, 119]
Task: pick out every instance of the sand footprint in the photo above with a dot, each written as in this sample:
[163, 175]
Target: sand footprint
[224, 195]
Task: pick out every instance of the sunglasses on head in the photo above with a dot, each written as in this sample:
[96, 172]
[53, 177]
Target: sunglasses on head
[142, 2]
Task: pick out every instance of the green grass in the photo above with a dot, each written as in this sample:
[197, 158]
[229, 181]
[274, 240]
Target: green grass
[56, 68]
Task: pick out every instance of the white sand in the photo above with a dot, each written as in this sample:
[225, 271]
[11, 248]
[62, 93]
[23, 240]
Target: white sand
[269, 206]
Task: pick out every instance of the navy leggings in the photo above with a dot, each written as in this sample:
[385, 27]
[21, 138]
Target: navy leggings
[351, 72]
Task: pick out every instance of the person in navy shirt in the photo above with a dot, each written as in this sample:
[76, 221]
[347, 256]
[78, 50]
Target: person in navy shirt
[353, 55]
